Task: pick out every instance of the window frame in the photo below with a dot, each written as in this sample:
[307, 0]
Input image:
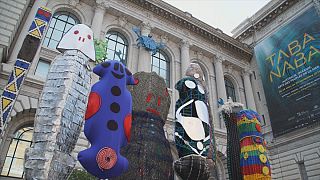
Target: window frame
[43, 60]
[230, 87]
[13, 156]
[52, 28]
[166, 59]
[124, 43]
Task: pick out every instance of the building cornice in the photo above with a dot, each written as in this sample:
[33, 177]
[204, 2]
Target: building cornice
[185, 20]
[262, 19]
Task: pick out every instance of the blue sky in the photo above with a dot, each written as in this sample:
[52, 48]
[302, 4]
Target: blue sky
[222, 14]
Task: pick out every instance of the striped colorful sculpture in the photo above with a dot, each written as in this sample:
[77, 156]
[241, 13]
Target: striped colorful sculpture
[254, 163]
[26, 54]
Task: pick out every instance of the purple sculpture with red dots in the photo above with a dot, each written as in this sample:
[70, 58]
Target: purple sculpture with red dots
[108, 121]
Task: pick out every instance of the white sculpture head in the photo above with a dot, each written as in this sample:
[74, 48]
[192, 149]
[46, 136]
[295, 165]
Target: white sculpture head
[79, 37]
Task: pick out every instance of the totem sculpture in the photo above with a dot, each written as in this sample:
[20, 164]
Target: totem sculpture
[195, 71]
[229, 113]
[246, 147]
[21, 66]
[108, 121]
[149, 151]
[193, 132]
[62, 106]
[254, 163]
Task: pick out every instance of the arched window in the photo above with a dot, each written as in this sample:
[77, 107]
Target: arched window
[60, 23]
[161, 65]
[117, 48]
[230, 90]
[13, 165]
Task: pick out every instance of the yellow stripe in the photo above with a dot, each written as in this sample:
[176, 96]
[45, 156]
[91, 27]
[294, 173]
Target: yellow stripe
[247, 121]
[256, 176]
[250, 148]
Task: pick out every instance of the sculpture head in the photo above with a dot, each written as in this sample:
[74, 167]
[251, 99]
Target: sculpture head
[116, 70]
[151, 95]
[79, 37]
[188, 88]
[194, 70]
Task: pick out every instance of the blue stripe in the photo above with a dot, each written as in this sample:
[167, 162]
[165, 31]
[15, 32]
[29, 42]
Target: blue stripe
[22, 64]
[9, 95]
[252, 160]
[242, 135]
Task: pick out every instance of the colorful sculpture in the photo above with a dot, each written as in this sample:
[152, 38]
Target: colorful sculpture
[149, 151]
[108, 121]
[246, 147]
[21, 66]
[193, 132]
[254, 163]
[62, 105]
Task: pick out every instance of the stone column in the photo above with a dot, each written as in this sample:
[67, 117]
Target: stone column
[25, 29]
[144, 62]
[214, 100]
[221, 88]
[248, 91]
[98, 20]
[185, 56]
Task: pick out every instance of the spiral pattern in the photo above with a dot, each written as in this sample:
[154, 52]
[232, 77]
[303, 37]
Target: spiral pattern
[106, 158]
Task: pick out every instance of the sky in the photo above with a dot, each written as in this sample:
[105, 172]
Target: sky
[222, 14]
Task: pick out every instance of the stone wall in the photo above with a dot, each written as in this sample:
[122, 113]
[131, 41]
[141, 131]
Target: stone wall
[11, 14]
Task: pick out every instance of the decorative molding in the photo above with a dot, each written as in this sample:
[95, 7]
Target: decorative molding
[180, 18]
[184, 43]
[73, 2]
[122, 21]
[102, 4]
[199, 54]
[259, 23]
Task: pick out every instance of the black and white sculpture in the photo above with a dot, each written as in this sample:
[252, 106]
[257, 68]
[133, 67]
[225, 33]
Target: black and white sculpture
[193, 129]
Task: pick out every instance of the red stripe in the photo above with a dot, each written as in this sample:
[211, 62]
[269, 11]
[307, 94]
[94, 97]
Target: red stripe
[246, 142]
[252, 169]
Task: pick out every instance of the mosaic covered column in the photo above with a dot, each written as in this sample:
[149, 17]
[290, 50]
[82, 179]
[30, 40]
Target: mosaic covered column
[62, 106]
[26, 54]
[149, 152]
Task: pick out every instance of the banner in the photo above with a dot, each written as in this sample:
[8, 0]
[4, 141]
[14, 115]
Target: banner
[289, 63]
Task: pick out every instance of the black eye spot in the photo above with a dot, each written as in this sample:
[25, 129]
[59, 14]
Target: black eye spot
[121, 68]
[115, 107]
[105, 64]
[116, 91]
[112, 125]
[116, 66]
[128, 72]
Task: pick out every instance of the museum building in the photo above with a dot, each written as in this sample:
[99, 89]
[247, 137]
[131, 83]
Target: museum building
[229, 65]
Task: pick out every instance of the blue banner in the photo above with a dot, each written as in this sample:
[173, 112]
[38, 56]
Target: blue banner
[289, 63]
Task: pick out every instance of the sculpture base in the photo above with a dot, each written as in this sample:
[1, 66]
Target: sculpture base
[192, 167]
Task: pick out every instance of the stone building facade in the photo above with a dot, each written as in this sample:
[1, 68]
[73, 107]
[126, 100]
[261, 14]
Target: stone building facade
[226, 62]
[294, 155]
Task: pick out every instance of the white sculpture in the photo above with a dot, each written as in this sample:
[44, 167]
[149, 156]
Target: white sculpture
[79, 37]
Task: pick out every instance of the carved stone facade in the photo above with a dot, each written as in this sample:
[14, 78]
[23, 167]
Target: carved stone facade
[187, 40]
